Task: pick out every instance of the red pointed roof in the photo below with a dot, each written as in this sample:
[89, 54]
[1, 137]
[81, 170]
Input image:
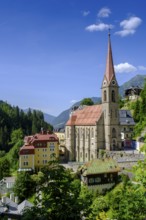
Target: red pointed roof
[109, 72]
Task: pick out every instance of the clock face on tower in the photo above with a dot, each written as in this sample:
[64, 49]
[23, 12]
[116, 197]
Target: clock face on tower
[104, 83]
[113, 82]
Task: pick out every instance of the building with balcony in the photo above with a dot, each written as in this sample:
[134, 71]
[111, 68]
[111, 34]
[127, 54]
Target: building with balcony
[100, 174]
[38, 150]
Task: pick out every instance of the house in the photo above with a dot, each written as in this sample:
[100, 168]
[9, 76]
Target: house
[127, 125]
[62, 149]
[100, 174]
[38, 150]
[91, 128]
[6, 184]
[11, 209]
[133, 92]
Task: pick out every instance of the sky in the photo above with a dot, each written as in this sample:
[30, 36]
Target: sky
[53, 52]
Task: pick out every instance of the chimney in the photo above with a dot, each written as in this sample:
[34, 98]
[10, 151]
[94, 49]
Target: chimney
[4, 199]
[42, 130]
[12, 197]
[16, 199]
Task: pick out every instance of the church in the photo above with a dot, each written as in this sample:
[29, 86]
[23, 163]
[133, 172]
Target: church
[91, 128]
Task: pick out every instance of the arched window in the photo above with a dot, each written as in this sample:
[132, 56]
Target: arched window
[104, 96]
[114, 133]
[113, 96]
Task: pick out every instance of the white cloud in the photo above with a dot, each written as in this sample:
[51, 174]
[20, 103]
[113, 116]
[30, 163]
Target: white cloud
[141, 67]
[85, 13]
[129, 26]
[124, 68]
[125, 32]
[104, 12]
[98, 27]
[131, 23]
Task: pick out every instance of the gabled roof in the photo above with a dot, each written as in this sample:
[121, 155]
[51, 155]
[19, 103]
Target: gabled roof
[98, 166]
[23, 205]
[89, 115]
[43, 137]
[125, 117]
[11, 206]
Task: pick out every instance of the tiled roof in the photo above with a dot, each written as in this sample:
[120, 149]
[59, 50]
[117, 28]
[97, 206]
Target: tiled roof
[44, 137]
[89, 115]
[26, 150]
[97, 166]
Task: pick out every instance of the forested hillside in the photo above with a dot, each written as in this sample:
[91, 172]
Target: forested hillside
[13, 118]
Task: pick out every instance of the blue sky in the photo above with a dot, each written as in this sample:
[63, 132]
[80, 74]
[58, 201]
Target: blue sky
[53, 52]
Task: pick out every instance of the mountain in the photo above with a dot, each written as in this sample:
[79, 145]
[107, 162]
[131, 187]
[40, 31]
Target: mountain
[138, 80]
[60, 121]
[47, 117]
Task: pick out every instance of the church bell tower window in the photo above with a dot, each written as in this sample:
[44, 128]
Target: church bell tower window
[104, 96]
[113, 96]
[114, 133]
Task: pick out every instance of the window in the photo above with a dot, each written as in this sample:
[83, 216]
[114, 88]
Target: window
[44, 161]
[52, 148]
[91, 180]
[25, 156]
[25, 163]
[97, 179]
[113, 96]
[114, 133]
[104, 96]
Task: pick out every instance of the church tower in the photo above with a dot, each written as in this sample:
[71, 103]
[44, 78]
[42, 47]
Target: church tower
[110, 106]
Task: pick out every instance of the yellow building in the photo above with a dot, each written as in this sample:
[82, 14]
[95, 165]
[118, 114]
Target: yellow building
[61, 136]
[38, 150]
[62, 148]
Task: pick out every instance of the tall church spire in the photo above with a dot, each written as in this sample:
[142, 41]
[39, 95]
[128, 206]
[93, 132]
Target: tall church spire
[109, 72]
